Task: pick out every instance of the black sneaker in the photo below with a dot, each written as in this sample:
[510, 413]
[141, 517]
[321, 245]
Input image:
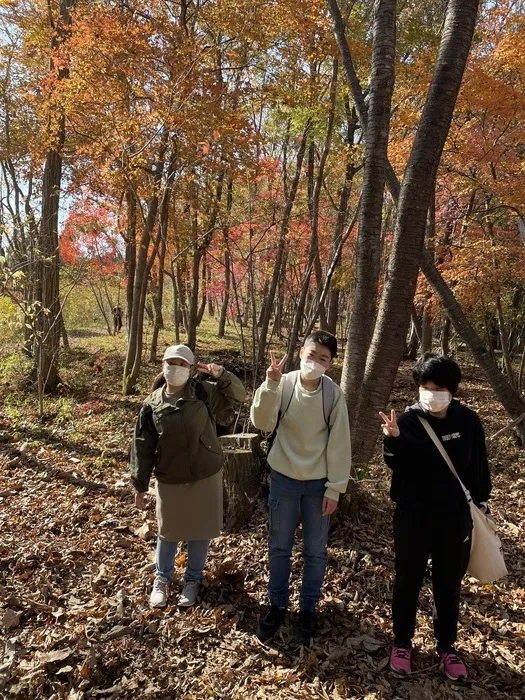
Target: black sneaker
[306, 627]
[269, 624]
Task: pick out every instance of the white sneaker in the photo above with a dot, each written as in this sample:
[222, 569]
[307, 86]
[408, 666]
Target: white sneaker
[189, 594]
[159, 593]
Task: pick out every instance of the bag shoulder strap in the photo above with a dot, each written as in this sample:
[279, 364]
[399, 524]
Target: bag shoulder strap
[290, 380]
[328, 389]
[202, 395]
[437, 442]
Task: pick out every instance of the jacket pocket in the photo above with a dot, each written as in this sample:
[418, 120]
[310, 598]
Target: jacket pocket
[211, 445]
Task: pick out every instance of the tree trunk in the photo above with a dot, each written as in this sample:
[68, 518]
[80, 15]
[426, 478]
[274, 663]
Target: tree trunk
[135, 335]
[226, 297]
[363, 315]
[388, 342]
[426, 328]
[279, 257]
[413, 343]
[48, 315]
[131, 252]
[315, 187]
[204, 297]
[445, 337]
[342, 215]
[243, 478]
[48, 286]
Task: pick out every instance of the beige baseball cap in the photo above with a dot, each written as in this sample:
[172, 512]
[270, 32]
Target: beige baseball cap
[182, 352]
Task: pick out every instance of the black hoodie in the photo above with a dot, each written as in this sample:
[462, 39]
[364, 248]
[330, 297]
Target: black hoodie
[421, 479]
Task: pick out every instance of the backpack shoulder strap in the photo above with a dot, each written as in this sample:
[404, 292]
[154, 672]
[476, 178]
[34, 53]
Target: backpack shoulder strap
[328, 390]
[202, 395]
[290, 380]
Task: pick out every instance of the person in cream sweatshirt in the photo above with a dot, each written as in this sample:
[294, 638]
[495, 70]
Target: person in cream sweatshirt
[310, 462]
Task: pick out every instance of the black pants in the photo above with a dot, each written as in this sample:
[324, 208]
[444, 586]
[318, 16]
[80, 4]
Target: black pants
[447, 538]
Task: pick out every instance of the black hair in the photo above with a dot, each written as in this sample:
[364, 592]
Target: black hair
[323, 338]
[438, 369]
[160, 380]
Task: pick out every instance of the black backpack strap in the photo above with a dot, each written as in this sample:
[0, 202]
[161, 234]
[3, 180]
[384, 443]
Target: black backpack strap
[202, 395]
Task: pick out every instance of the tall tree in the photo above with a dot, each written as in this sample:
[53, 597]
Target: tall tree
[47, 285]
[372, 198]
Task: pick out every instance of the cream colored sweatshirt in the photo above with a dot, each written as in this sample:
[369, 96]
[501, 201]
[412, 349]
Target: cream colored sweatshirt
[304, 448]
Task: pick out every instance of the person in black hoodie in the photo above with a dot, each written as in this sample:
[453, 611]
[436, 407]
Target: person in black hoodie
[432, 516]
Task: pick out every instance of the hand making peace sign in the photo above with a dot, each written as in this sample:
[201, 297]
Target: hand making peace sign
[390, 426]
[275, 370]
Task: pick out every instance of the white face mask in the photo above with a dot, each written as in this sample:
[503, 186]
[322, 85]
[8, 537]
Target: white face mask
[434, 401]
[311, 369]
[175, 375]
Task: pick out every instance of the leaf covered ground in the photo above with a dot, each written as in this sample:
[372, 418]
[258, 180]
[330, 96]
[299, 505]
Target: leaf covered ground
[75, 573]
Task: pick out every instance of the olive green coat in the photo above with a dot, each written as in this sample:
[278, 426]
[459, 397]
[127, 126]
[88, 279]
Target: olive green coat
[179, 443]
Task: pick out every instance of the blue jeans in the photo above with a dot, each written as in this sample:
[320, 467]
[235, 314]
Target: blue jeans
[288, 499]
[166, 551]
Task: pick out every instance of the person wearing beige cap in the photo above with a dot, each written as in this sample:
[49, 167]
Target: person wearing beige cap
[175, 439]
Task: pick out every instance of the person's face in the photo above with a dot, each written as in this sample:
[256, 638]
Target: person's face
[318, 353]
[178, 362]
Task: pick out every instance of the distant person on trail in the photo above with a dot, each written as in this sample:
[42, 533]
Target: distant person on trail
[432, 516]
[116, 312]
[310, 467]
[175, 439]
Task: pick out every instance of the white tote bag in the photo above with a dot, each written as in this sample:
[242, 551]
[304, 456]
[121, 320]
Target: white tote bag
[486, 561]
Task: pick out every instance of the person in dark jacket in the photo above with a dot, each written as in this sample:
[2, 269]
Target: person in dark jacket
[175, 439]
[432, 516]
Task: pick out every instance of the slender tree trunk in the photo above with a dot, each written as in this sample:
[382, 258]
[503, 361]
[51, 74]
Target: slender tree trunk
[176, 311]
[355, 87]
[504, 341]
[413, 343]
[445, 337]
[181, 295]
[227, 264]
[279, 257]
[135, 335]
[363, 316]
[63, 331]
[204, 297]
[226, 297]
[314, 203]
[48, 285]
[131, 252]
[342, 215]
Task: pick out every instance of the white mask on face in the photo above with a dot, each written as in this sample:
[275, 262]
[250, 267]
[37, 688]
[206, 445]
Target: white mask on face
[175, 375]
[311, 369]
[434, 401]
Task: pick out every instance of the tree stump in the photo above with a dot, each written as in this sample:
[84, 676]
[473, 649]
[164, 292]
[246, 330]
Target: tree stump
[243, 477]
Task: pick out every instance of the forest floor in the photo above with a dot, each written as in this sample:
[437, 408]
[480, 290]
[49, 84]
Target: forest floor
[75, 574]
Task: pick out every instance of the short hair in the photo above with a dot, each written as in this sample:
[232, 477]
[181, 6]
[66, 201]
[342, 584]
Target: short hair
[323, 338]
[438, 369]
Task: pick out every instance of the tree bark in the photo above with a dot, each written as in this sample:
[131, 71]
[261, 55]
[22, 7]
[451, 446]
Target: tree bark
[342, 216]
[363, 315]
[131, 251]
[243, 477]
[135, 332]
[388, 342]
[48, 286]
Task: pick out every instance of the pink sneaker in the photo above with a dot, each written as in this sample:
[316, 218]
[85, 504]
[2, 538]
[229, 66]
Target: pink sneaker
[401, 659]
[453, 666]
